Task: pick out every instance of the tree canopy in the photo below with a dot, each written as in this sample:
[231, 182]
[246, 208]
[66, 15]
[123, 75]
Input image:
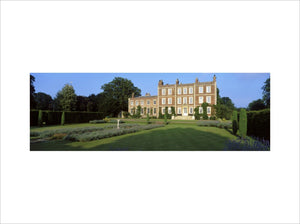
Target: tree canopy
[32, 91]
[266, 92]
[116, 93]
[256, 105]
[43, 101]
[67, 98]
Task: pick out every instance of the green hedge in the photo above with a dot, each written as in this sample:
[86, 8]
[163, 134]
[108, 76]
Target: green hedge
[54, 117]
[259, 124]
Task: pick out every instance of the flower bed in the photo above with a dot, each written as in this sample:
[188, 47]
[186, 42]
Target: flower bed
[107, 133]
[50, 133]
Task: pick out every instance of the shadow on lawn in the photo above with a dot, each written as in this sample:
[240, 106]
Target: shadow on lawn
[161, 139]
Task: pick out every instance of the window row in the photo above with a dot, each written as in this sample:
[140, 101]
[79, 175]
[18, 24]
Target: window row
[185, 90]
[142, 102]
[184, 100]
[186, 111]
[147, 111]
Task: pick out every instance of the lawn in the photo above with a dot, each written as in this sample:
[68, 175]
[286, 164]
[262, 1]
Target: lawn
[172, 137]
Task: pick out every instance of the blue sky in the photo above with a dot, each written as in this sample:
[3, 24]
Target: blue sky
[242, 88]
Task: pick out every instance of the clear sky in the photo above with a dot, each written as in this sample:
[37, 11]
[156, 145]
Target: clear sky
[242, 88]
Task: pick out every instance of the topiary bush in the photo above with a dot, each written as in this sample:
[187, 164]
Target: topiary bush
[234, 122]
[148, 119]
[243, 123]
[40, 118]
[63, 118]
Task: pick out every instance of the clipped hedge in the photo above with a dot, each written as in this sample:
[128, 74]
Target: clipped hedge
[259, 124]
[54, 117]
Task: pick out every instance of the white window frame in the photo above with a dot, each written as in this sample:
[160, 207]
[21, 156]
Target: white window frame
[179, 100]
[179, 91]
[184, 100]
[200, 89]
[163, 92]
[191, 90]
[154, 110]
[154, 102]
[200, 99]
[208, 99]
[179, 110]
[163, 110]
[191, 108]
[208, 89]
[131, 102]
[169, 100]
[163, 101]
[148, 110]
[184, 90]
[142, 102]
[169, 110]
[148, 102]
[208, 110]
[136, 102]
[200, 110]
[191, 100]
[169, 91]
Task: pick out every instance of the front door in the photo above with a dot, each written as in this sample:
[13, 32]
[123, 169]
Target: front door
[185, 111]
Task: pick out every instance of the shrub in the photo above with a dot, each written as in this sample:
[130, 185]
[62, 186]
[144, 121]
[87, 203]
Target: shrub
[59, 136]
[165, 119]
[63, 118]
[40, 121]
[106, 119]
[247, 144]
[196, 114]
[208, 123]
[234, 122]
[97, 121]
[243, 123]
[125, 114]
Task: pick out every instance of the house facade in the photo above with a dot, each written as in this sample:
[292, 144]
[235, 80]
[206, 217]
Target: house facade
[183, 98]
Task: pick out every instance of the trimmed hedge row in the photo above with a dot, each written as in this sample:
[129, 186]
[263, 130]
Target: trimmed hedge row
[54, 117]
[259, 124]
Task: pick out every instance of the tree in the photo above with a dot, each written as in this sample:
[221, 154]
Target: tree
[117, 93]
[81, 103]
[243, 123]
[227, 102]
[43, 101]
[67, 98]
[256, 105]
[266, 92]
[92, 103]
[32, 91]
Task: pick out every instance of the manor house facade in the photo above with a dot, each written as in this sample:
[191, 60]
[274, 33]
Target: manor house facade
[184, 98]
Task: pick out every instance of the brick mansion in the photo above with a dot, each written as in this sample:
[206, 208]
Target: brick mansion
[184, 98]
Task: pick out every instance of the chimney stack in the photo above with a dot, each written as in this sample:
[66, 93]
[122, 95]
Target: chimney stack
[196, 80]
[177, 81]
